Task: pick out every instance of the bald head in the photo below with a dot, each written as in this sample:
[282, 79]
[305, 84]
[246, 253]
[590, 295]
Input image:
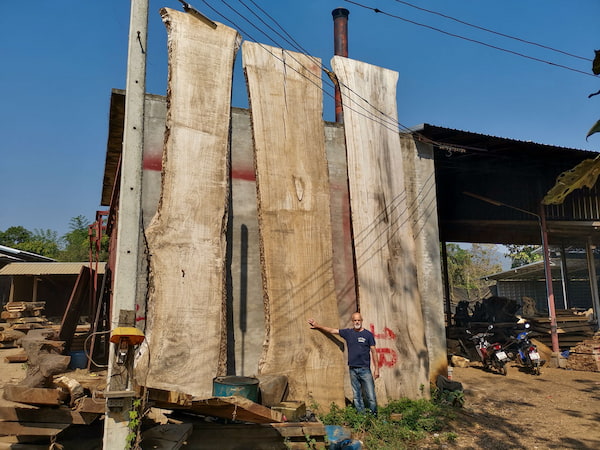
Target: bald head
[357, 321]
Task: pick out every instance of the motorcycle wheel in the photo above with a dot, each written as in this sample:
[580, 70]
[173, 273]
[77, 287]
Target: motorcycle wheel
[536, 370]
[503, 370]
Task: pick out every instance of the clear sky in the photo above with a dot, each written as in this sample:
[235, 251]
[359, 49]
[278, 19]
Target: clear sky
[60, 61]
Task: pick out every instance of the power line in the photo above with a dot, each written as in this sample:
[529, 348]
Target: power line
[492, 31]
[384, 120]
[381, 117]
[376, 10]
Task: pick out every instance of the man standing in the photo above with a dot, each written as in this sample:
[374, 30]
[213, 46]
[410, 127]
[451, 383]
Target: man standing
[361, 349]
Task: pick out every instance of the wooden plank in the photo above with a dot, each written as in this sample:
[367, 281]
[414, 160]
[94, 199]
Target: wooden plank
[19, 358]
[31, 429]
[251, 436]
[44, 415]
[300, 429]
[33, 396]
[169, 397]
[385, 250]
[294, 222]
[186, 330]
[88, 405]
[79, 295]
[235, 408]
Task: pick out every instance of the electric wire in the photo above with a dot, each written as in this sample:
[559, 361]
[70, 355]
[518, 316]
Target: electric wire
[493, 31]
[381, 117]
[533, 58]
[385, 121]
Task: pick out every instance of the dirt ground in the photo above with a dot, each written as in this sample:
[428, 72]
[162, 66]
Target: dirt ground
[560, 409]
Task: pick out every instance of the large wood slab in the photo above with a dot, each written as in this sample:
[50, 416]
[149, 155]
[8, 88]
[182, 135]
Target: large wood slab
[294, 221]
[186, 239]
[385, 250]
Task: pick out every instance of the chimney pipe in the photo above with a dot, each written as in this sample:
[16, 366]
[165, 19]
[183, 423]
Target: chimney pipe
[340, 48]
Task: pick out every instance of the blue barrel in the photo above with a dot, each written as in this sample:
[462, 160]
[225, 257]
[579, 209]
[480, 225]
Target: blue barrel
[246, 387]
[78, 360]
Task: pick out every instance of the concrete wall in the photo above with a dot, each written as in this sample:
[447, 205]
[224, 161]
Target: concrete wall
[245, 303]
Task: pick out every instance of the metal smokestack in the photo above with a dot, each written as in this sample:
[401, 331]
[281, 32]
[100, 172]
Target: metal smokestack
[340, 48]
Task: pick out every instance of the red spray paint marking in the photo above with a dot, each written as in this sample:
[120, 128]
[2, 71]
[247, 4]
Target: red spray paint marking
[386, 357]
[387, 333]
[153, 163]
[243, 174]
[138, 318]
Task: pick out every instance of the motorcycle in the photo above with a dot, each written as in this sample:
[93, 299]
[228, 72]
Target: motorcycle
[492, 355]
[526, 352]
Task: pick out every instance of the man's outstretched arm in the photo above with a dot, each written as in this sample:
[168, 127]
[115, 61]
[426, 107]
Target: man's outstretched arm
[316, 326]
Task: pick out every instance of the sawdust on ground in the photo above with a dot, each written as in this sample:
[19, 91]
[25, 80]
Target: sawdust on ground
[560, 409]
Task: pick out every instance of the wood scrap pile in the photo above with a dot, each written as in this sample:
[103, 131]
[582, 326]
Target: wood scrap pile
[50, 398]
[585, 355]
[573, 326]
[9, 338]
[24, 315]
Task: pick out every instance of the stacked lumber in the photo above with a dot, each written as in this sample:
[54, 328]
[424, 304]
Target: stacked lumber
[572, 327]
[24, 315]
[585, 355]
[39, 424]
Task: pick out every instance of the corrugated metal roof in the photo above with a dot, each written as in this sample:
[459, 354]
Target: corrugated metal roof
[46, 268]
[15, 254]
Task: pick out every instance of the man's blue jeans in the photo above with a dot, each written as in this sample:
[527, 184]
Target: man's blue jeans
[362, 383]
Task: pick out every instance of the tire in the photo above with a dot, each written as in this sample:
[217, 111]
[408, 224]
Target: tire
[503, 370]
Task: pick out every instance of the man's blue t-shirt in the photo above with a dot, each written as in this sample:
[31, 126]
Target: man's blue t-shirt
[359, 346]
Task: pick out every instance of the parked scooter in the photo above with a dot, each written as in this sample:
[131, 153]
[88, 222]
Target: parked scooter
[525, 352]
[491, 354]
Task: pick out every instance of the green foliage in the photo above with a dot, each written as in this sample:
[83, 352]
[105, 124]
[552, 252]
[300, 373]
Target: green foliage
[14, 236]
[414, 420]
[41, 242]
[523, 254]
[76, 242]
[73, 246]
[134, 425]
[452, 398]
[466, 268]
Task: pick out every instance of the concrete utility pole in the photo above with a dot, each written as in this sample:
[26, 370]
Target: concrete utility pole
[129, 226]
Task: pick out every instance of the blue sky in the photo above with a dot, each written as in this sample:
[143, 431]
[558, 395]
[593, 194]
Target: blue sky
[60, 61]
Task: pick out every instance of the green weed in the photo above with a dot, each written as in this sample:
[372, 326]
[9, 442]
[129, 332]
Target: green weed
[399, 425]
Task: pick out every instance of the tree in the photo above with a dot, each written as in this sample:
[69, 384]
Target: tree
[467, 268]
[73, 246]
[13, 236]
[41, 242]
[76, 242]
[521, 255]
